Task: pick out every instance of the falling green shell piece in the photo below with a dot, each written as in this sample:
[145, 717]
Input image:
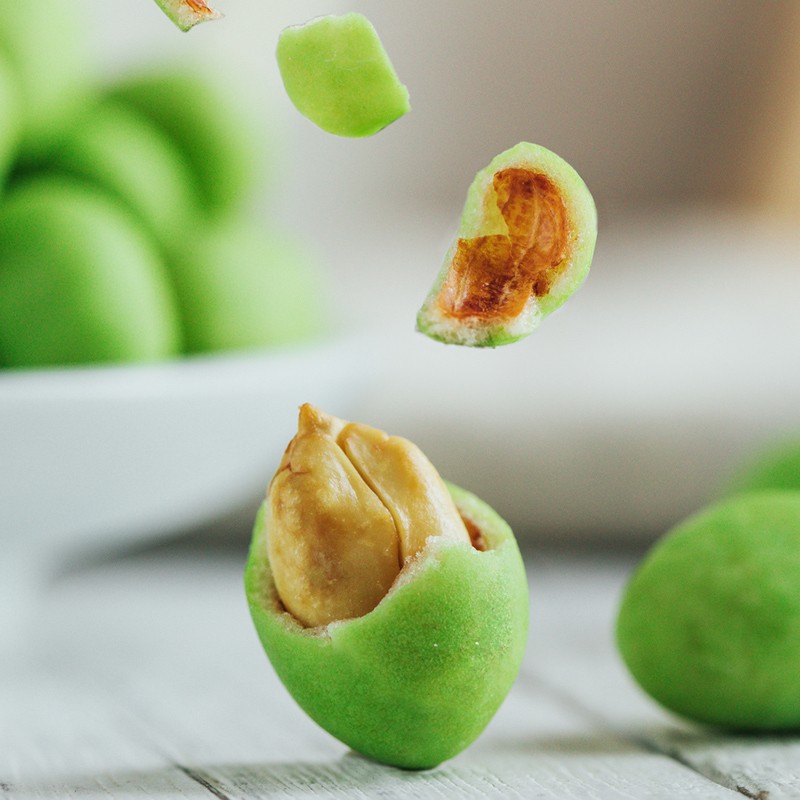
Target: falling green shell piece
[481, 216]
[337, 74]
[415, 681]
[186, 14]
[709, 624]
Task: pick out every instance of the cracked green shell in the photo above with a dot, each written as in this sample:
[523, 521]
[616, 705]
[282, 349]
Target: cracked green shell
[709, 623]
[484, 217]
[415, 681]
[186, 14]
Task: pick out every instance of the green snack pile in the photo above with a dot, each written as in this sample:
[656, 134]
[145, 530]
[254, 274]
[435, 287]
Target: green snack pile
[709, 624]
[525, 244]
[337, 74]
[415, 676]
[125, 211]
[215, 134]
[78, 282]
[117, 149]
[10, 120]
[45, 49]
[240, 285]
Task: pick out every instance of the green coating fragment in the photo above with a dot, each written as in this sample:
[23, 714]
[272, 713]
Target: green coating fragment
[45, 45]
[240, 286]
[187, 13]
[338, 75]
[79, 283]
[777, 467]
[211, 126]
[710, 622]
[415, 681]
[124, 153]
[525, 244]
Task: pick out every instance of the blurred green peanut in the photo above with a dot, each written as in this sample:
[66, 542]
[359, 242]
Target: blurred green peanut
[709, 623]
[44, 43]
[114, 147]
[79, 282]
[10, 122]
[211, 127]
[241, 286]
[775, 467]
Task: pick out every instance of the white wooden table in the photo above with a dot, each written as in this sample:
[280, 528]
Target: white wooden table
[144, 678]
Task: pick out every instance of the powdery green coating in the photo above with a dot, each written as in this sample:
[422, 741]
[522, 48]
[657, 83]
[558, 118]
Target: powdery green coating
[212, 128]
[415, 681]
[117, 149]
[79, 282]
[241, 286]
[710, 622]
[582, 216]
[338, 75]
[44, 43]
[777, 467]
[187, 13]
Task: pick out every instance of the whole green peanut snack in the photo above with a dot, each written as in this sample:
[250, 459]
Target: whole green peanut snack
[338, 75]
[44, 43]
[709, 624]
[242, 286]
[133, 160]
[79, 282]
[393, 607]
[188, 13]
[211, 127]
[525, 244]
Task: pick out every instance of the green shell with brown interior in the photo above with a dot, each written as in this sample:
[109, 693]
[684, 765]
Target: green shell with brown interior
[416, 680]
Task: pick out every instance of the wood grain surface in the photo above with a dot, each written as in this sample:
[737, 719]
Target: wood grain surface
[141, 677]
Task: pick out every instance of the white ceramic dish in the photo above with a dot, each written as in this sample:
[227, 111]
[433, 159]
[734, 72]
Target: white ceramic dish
[105, 456]
[110, 453]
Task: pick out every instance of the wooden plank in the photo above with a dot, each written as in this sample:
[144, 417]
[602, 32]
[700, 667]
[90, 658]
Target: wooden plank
[535, 747]
[60, 739]
[164, 652]
[579, 662]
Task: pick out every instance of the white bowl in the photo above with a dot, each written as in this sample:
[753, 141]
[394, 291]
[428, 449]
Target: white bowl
[103, 456]
[109, 453]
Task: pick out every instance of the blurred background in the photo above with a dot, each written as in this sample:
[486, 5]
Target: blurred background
[628, 409]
